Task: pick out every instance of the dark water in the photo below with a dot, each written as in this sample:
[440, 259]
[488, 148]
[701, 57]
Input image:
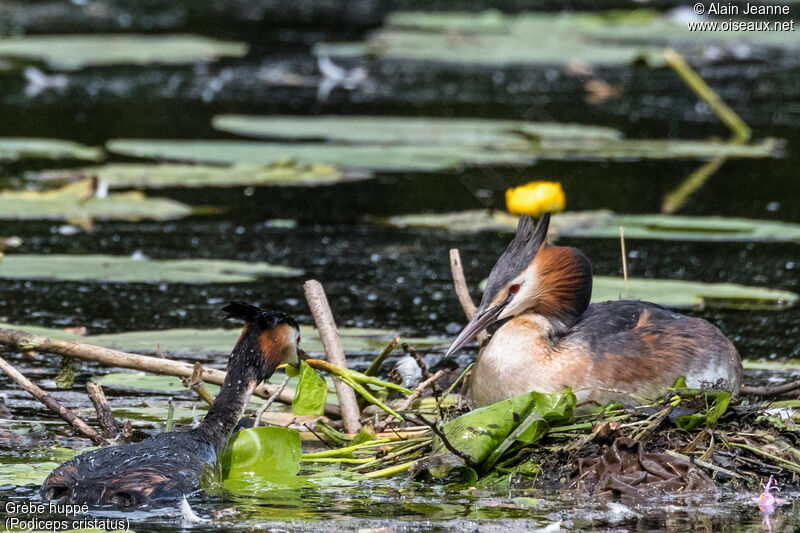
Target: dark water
[377, 276]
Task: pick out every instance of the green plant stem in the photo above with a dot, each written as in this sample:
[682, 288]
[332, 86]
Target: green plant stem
[396, 453]
[676, 198]
[344, 451]
[375, 366]
[585, 425]
[352, 378]
[397, 469]
[347, 460]
[741, 131]
[794, 467]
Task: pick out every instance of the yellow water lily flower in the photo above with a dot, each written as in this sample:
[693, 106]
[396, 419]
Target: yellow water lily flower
[535, 198]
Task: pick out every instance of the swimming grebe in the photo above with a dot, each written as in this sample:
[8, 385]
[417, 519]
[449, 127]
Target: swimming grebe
[166, 467]
[555, 338]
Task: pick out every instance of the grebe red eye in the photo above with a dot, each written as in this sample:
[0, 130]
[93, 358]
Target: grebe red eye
[514, 288]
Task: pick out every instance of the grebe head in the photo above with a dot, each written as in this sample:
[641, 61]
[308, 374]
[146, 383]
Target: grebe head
[269, 338]
[552, 281]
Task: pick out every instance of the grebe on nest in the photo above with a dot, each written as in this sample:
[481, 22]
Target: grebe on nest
[165, 467]
[555, 338]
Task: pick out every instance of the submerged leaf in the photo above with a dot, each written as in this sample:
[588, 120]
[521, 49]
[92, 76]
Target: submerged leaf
[310, 394]
[100, 268]
[262, 453]
[73, 52]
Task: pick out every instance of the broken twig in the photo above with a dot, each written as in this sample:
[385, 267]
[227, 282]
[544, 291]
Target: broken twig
[108, 424]
[270, 401]
[52, 404]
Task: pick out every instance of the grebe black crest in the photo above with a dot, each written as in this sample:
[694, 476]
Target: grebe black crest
[164, 468]
[553, 337]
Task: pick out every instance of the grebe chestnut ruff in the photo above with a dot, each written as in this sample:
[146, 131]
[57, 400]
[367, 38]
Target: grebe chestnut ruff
[165, 467]
[555, 338]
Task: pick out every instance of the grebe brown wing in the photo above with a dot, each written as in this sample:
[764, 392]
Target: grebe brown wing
[640, 346]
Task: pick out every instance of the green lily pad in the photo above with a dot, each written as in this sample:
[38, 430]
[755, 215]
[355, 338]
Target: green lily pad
[605, 224]
[15, 148]
[479, 432]
[539, 139]
[689, 294]
[74, 52]
[505, 134]
[110, 268]
[221, 341]
[68, 203]
[370, 157]
[144, 176]
[311, 393]
[492, 38]
[20, 474]
[262, 453]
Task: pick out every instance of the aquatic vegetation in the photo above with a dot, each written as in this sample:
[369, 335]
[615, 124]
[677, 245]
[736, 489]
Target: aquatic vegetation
[78, 202]
[99, 268]
[605, 224]
[74, 52]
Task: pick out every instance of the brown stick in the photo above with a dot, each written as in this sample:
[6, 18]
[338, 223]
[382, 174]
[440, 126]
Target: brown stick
[105, 417]
[52, 404]
[23, 341]
[270, 400]
[462, 290]
[419, 390]
[323, 317]
[195, 383]
[770, 391]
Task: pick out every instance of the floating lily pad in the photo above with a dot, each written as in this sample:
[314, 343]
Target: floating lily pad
[15, 148]
[262, 453]
[430, 156]
[74, 201]
[589, 224]
[508, 134]
[371, 157]
[104, 268]
[143, 176]
[692, 294]
[20, 474]
[221, 341]
[689, 294]
[73, 52]
[615, 38]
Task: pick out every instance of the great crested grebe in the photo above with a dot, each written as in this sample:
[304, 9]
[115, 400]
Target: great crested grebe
[555, 338]
[165, 467]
